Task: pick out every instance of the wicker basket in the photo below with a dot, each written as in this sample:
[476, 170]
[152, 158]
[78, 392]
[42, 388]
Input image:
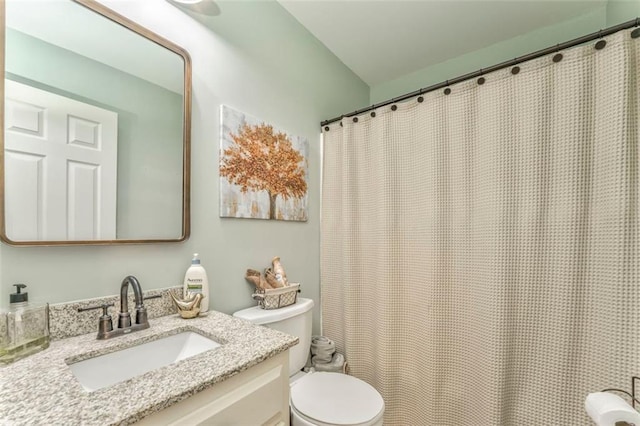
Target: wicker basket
[277, 297]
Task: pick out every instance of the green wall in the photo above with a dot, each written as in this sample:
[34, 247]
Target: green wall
[258, 59]
[149, 129]
[491, 55]
[619, 11]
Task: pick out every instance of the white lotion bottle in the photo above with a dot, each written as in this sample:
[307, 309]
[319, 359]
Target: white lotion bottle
[195, 281]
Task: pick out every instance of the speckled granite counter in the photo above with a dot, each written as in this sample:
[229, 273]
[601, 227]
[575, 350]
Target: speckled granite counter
[42, 390]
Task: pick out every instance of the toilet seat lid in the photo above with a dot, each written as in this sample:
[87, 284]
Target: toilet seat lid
[336, 398]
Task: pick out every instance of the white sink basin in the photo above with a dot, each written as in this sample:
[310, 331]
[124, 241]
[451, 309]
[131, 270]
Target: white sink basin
[106, 370]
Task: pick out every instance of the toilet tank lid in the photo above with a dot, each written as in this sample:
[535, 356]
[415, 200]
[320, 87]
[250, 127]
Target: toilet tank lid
[258, 315]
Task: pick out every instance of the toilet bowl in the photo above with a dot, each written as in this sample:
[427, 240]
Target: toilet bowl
[318, 399]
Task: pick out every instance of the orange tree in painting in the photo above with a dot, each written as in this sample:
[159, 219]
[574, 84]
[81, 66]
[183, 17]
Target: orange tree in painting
[264, 160]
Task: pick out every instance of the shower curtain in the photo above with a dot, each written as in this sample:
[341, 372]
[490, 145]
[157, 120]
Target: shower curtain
[480, 248]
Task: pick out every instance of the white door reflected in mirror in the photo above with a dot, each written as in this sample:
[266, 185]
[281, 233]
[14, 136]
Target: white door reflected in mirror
[60, 167]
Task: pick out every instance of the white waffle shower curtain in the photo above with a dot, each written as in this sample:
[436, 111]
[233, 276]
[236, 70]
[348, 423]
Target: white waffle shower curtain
[480, 259]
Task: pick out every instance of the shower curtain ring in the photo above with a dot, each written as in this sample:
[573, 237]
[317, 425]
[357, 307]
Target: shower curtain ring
[481, 80]
[601, 43]
[515, 69]
[447, 91]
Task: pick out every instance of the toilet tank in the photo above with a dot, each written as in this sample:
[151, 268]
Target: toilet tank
[295, 320]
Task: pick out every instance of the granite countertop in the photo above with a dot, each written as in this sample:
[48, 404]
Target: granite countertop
[41, 389]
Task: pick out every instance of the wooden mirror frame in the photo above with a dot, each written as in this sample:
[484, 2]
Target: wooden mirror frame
[186, 131]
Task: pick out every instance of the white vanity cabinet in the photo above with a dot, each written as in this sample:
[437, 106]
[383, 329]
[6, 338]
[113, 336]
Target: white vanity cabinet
[257, 396]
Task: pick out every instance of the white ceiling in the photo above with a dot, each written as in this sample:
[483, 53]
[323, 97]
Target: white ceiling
[386, 39]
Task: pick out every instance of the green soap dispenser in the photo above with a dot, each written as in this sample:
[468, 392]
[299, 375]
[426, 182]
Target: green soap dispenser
[24, 327]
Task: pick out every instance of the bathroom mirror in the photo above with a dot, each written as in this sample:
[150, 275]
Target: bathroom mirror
[96, 141]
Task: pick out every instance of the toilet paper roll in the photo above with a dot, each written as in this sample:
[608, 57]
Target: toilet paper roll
[322, 349]
[606, 409]
[335, 366]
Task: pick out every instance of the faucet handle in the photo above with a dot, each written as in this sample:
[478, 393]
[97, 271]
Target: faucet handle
[141, 315]
[104, 323]
[105, 307]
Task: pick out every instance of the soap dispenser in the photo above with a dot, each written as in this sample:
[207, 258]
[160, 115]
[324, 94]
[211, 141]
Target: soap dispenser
[24, 327]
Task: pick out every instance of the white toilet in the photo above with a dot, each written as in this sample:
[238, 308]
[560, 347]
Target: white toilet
[318, 399]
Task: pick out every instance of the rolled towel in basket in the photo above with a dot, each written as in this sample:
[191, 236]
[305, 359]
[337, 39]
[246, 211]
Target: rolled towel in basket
[322, 349]
[335, 366]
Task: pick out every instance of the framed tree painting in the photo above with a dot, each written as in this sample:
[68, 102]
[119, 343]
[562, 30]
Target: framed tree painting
[263, 170]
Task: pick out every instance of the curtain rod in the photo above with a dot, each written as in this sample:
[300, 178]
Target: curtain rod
[482, 71]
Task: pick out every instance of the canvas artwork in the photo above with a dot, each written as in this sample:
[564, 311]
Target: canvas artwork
[263, 170]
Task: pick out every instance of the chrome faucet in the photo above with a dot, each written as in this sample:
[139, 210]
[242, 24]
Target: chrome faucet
[105, 325]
